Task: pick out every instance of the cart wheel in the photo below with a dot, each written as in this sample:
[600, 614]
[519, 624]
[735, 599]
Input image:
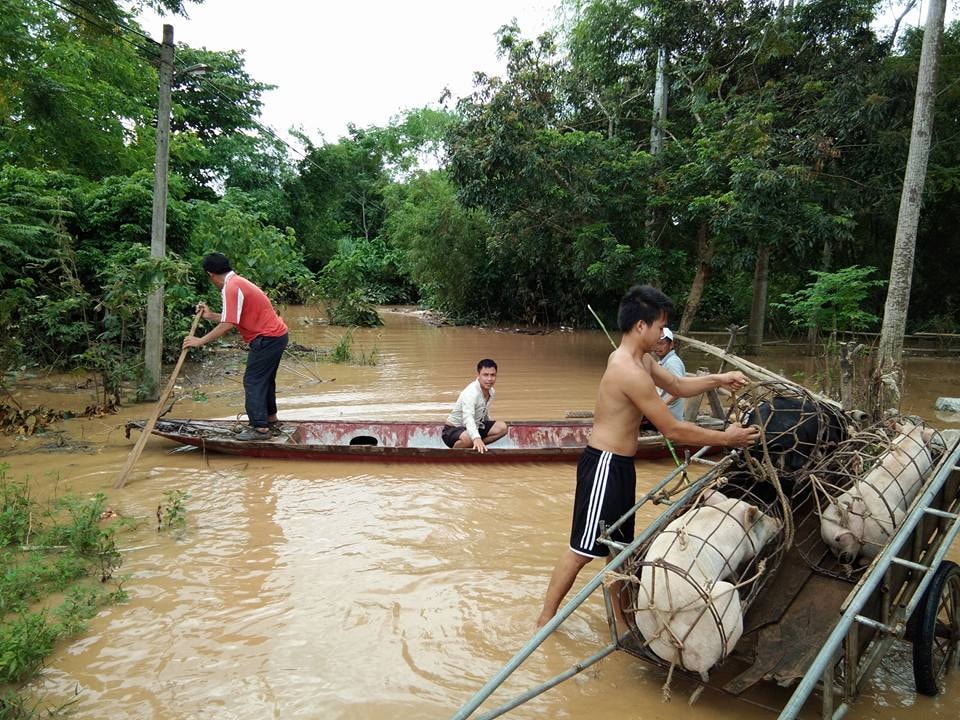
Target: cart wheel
[937, 635]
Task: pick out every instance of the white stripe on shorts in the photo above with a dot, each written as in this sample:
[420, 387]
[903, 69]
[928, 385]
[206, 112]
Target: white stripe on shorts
[597, 492]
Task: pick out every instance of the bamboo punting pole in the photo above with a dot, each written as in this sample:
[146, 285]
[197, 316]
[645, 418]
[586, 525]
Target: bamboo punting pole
[756, 371]
[148, 428]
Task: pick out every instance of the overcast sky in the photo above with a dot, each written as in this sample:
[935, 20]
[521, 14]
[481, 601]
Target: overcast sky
[354, 61]
[364, 61]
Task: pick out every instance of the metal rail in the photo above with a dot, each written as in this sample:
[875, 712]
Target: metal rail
[570, 607]
[823, 664]
[836, 700]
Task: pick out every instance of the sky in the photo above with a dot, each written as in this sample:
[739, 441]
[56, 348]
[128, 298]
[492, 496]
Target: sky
[336, 62]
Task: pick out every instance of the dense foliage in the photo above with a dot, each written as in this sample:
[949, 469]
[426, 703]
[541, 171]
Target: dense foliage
[785, 138]
[78, 88]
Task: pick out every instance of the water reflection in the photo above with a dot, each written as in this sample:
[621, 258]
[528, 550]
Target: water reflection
[341, 590]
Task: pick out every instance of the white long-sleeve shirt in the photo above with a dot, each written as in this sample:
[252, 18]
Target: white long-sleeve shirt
[471, 409]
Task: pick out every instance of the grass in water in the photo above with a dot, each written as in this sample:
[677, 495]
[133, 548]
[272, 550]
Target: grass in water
[59, 559]
[343, 352]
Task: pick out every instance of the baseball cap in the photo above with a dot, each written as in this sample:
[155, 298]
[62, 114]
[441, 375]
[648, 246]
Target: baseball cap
[667, 334]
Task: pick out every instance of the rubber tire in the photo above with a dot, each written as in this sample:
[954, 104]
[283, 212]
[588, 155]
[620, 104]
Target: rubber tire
[942, 596]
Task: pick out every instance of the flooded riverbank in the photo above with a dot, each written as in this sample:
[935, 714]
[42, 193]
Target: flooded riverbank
[350, 590]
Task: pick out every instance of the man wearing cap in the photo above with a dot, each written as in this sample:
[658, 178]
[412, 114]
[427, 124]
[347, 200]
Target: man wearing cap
[671, 362]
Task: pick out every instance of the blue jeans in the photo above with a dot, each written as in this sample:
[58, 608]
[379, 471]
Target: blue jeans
[260, 378]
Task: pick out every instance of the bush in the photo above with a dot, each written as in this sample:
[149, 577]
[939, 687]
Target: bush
[354, 310]
[49, 549]
[368, 269]
[264, 254]
[833, 301]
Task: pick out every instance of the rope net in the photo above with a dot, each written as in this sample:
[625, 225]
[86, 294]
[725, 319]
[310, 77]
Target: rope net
[813, 482]
[857, 497]
[685, 591]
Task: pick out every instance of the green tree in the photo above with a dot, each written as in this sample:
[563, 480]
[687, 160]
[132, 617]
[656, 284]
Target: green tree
[338, 193]
[559, 200]
[73, 95]
[443, 243]
[270, 257]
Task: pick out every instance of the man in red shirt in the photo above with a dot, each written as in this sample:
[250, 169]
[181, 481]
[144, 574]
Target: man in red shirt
[247, 308]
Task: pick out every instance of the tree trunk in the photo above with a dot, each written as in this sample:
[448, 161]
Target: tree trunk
[848, 368]
[659, 103]
[758, 308]
[888, 372]
[704, 262]
[826, 264]
[656, 216]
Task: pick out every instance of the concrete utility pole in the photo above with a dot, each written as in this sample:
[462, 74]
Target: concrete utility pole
[153, 334]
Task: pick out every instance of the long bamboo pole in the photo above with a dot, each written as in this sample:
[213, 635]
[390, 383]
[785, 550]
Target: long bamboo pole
[756, 371]
[148, 428]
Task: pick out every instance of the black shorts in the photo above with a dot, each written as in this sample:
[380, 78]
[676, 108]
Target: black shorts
[606, 489]
[452, 433]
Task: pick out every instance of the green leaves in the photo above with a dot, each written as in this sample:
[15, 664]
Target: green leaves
[834, 300]
[48, 549]
[269, 257]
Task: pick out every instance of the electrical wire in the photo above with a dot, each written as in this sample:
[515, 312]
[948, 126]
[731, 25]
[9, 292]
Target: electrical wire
[110, 27]
[117, 22]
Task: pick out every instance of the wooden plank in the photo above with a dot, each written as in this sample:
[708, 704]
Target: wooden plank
[786, 649]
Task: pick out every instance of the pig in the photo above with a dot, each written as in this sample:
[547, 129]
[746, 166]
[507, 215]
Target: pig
[862, 520]
[709, 542]
[797, 430]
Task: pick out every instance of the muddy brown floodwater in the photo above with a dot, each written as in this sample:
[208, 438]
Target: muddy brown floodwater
[338, 590]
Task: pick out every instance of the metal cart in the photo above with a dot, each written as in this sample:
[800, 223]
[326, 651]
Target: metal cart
[817, 632]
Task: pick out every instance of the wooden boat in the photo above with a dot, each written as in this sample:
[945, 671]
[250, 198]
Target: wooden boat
[400, 440]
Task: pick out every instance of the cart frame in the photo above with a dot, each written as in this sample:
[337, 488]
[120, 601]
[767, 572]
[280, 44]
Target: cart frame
[894, 585]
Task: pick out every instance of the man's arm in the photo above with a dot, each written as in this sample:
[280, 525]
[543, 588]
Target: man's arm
[643, 394]
[219, 331]
[471, 398]
[689, 386]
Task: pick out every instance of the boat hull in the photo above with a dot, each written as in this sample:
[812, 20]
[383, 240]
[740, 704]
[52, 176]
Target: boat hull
[395, 441]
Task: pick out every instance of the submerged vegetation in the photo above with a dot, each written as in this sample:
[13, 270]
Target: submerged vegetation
[172, 513]
[59, 560]
[343, 352]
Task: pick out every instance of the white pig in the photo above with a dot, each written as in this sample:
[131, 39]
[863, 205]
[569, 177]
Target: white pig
[864, 518]
[708, 542]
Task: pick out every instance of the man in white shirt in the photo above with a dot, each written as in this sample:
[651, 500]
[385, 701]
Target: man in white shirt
[670, 361]
[469, 423]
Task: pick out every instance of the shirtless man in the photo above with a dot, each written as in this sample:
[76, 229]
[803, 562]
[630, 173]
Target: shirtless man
[606, 479]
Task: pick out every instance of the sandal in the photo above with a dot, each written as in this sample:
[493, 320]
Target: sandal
[251, 433]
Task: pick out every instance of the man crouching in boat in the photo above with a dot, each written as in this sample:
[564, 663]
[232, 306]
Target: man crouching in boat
[469, 423]
[606, 478]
